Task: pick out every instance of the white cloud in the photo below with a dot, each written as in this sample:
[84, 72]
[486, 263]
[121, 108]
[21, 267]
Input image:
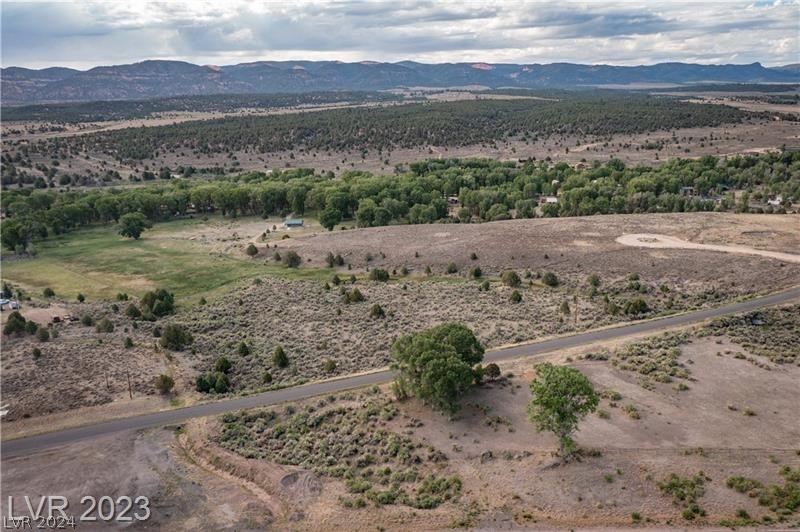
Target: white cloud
[84, 34]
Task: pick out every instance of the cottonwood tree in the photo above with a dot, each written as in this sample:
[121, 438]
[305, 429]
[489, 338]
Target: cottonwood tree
[437, 365]
[562, 396]
[132, 225]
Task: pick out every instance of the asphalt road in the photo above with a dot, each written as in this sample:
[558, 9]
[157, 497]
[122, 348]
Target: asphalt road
[22, 446]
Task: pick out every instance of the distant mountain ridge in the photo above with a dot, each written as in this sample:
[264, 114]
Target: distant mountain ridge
[156, 78]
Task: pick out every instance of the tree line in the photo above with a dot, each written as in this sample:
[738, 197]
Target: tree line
[486, 190]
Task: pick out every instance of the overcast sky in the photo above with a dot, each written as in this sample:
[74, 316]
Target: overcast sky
[83, 34]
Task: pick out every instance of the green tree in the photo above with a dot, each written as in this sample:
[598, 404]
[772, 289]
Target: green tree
[329, 217]
[105, 326]
[636, 307]
[14, 324]
[516, 297]
[378, 275]
[436, 365]
[550, 279]
[562, 396]
[42, 334]
[222, 365]
[244, 349]
[292, 259]
[251, 250]
[175, 337]
[132, 225]
[511, 278]
[280, 358]
[133, 311]
[164, 384]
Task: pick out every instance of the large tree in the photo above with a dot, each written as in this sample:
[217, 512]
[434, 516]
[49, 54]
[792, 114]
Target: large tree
[132, 225]
[437, 365]
[562, 396]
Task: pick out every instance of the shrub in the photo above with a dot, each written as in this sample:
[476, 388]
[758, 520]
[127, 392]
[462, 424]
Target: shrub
[251, 250]
[267, 378]
[516, 297]
[128, 343]
[104, 326]
[510, 278]
[158, 303]
[329, 366]
[291, 259]
[550, 279]
[473, 256]
[243, 349]
[485, 286]
[475, 272]
[31, 327]
[565, 307]
[164, 384]
[280, 358]
[133, 311]
[221, 383]
[379, 275]
[87, 320]
[81, 298]
[452, 268]
[376, 311]
[594, 280]
[37, 353]
[175, 337]
[222, 365]
[636, 307]
[15, 324]
[354, 296]
[491, 371]
[42, 334]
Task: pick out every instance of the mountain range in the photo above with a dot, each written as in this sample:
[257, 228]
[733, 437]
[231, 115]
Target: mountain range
[155, 78]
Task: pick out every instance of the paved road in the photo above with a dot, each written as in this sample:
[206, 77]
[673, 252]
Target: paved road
[27, 445]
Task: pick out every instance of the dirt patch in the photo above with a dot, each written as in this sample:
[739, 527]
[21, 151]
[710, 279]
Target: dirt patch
[183, 496]
[663, 241]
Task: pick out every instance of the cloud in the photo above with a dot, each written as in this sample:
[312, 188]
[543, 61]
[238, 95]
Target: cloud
[85, 33]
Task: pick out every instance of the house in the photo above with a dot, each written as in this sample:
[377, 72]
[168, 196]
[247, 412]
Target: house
[452, 200]
[688, 192]
[289, 223]
[548, 199]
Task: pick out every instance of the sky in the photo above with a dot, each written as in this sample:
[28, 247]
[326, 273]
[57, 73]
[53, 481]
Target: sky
[83, 34]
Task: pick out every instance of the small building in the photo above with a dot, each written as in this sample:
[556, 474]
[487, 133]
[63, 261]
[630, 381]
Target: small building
[289, 223]
[688, 192]
[548, 199]
[452, 200]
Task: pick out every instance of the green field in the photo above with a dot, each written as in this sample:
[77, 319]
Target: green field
[99, 263]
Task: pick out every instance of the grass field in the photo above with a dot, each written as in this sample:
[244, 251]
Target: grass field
[99, 263]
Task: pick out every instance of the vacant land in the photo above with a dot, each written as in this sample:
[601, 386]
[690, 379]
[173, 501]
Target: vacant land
[266, 305]
[362, 459]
